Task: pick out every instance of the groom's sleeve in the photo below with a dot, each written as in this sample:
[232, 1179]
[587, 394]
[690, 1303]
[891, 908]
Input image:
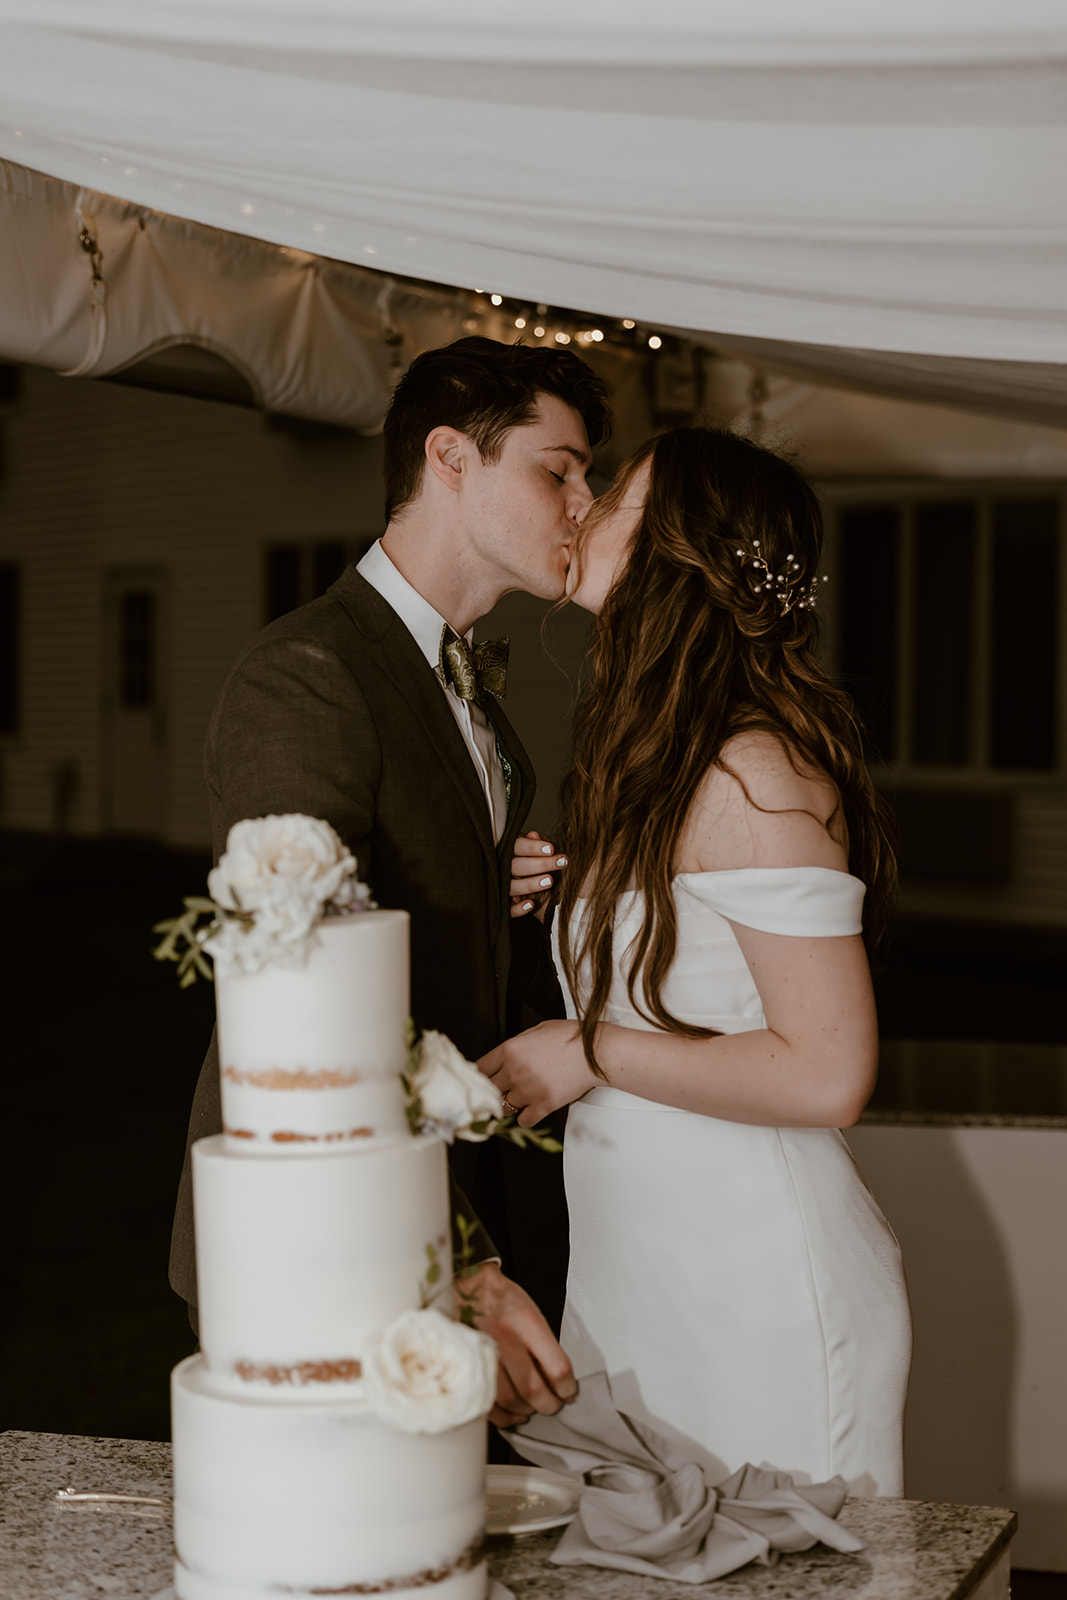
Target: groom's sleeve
[292, 732]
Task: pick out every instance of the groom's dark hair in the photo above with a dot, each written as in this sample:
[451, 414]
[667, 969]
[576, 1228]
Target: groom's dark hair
[483, 388]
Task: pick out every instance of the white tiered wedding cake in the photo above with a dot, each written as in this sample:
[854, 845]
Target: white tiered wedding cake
[329, 1439]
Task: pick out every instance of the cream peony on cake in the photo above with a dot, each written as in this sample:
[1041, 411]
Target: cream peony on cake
[330, 1436]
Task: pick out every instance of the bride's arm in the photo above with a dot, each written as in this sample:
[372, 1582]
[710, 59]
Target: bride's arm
[814, 1064]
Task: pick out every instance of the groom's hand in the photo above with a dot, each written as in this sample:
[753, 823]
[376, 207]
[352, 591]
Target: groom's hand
[534, 866]
[534, 1373]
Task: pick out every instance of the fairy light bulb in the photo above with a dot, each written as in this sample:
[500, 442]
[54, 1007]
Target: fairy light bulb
[520, 322]
[654, 341]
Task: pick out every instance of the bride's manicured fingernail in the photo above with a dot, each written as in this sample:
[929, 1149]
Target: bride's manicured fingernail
[527, 905]
[561, 861]
[546, 883]
[546, 849]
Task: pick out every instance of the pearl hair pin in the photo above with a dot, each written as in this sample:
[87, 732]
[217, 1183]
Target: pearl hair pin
[782, 585]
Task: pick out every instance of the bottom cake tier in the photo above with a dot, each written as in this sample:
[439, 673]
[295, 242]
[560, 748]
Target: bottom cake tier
[297, 1501]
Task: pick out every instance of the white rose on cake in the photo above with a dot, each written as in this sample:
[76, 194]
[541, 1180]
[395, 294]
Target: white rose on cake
[278, 932]
[279, 876]
[454, 1099]
[268, 856]
[425, 1373]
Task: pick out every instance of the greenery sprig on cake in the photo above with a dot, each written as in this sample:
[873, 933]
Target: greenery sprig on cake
[279, 877]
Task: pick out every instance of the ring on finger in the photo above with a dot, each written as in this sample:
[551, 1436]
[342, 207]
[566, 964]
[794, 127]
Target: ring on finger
[508, 1108]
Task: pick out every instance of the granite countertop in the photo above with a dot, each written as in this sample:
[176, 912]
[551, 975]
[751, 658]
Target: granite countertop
[915, 1551]
[115, 1551]
[879, 1115]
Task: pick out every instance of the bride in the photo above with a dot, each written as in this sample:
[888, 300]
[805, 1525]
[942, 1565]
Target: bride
[729, 1269]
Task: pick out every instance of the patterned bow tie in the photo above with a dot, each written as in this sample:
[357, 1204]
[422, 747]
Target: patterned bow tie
[474, 670]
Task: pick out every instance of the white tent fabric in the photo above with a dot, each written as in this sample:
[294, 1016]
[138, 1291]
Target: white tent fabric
[322, 339]
[820, 187]
[93, 286]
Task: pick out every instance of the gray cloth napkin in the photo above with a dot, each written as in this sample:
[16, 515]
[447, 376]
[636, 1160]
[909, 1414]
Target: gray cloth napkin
[646, 1508]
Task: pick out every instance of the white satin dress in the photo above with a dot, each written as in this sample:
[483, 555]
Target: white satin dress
[738, 1284]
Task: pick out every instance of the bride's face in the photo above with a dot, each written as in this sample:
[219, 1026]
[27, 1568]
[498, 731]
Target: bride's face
[604, 544]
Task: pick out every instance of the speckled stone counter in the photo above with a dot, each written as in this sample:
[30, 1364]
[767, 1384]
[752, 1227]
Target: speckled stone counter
[115, 1551]
[50, 1551]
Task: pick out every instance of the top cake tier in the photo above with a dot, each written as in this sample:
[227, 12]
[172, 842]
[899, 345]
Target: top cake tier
[312, 1056]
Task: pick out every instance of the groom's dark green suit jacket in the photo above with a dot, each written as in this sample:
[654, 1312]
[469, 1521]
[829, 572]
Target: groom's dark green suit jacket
[333, 711]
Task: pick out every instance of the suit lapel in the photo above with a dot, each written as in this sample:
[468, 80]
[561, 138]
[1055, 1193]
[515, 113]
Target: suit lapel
[523, 781]
[399, 658]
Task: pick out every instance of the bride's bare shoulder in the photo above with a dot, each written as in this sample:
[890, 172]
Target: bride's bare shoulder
[761, 805]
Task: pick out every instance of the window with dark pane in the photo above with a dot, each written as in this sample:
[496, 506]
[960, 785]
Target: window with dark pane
[328, 563]
[10, 644]
[943, 620]
[868, 564]
[283, 580]
[137, 649]
[1025, 587]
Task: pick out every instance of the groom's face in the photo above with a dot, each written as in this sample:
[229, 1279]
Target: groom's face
[523, 509]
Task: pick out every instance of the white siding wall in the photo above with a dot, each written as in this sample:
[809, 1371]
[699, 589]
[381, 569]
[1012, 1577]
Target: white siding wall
[98, 477]
[1037, 893]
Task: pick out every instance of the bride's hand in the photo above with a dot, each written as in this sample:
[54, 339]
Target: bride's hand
[533, 868]
[540, 1070]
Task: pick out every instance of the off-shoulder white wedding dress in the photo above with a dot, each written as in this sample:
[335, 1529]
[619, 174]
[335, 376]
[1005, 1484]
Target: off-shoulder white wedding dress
[738, 1284]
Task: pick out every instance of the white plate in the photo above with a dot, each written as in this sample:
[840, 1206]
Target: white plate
[529, 1499]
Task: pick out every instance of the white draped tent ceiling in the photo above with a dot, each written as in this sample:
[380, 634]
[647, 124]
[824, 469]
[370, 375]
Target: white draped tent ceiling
[871, 194]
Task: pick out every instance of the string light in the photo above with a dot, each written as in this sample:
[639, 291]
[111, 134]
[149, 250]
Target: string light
[560, 329]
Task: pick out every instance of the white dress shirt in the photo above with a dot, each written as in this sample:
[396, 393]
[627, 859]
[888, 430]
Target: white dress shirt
[425, 625]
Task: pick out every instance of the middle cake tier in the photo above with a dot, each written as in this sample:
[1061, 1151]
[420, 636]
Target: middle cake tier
[301, 1258]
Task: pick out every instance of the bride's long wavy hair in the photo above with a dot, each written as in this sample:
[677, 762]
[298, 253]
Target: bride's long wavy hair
[690, 649]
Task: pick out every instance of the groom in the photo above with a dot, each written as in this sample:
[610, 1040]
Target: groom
[353, 709]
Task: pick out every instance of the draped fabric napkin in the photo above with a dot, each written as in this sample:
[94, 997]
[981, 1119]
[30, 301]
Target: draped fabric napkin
[647, 1508]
